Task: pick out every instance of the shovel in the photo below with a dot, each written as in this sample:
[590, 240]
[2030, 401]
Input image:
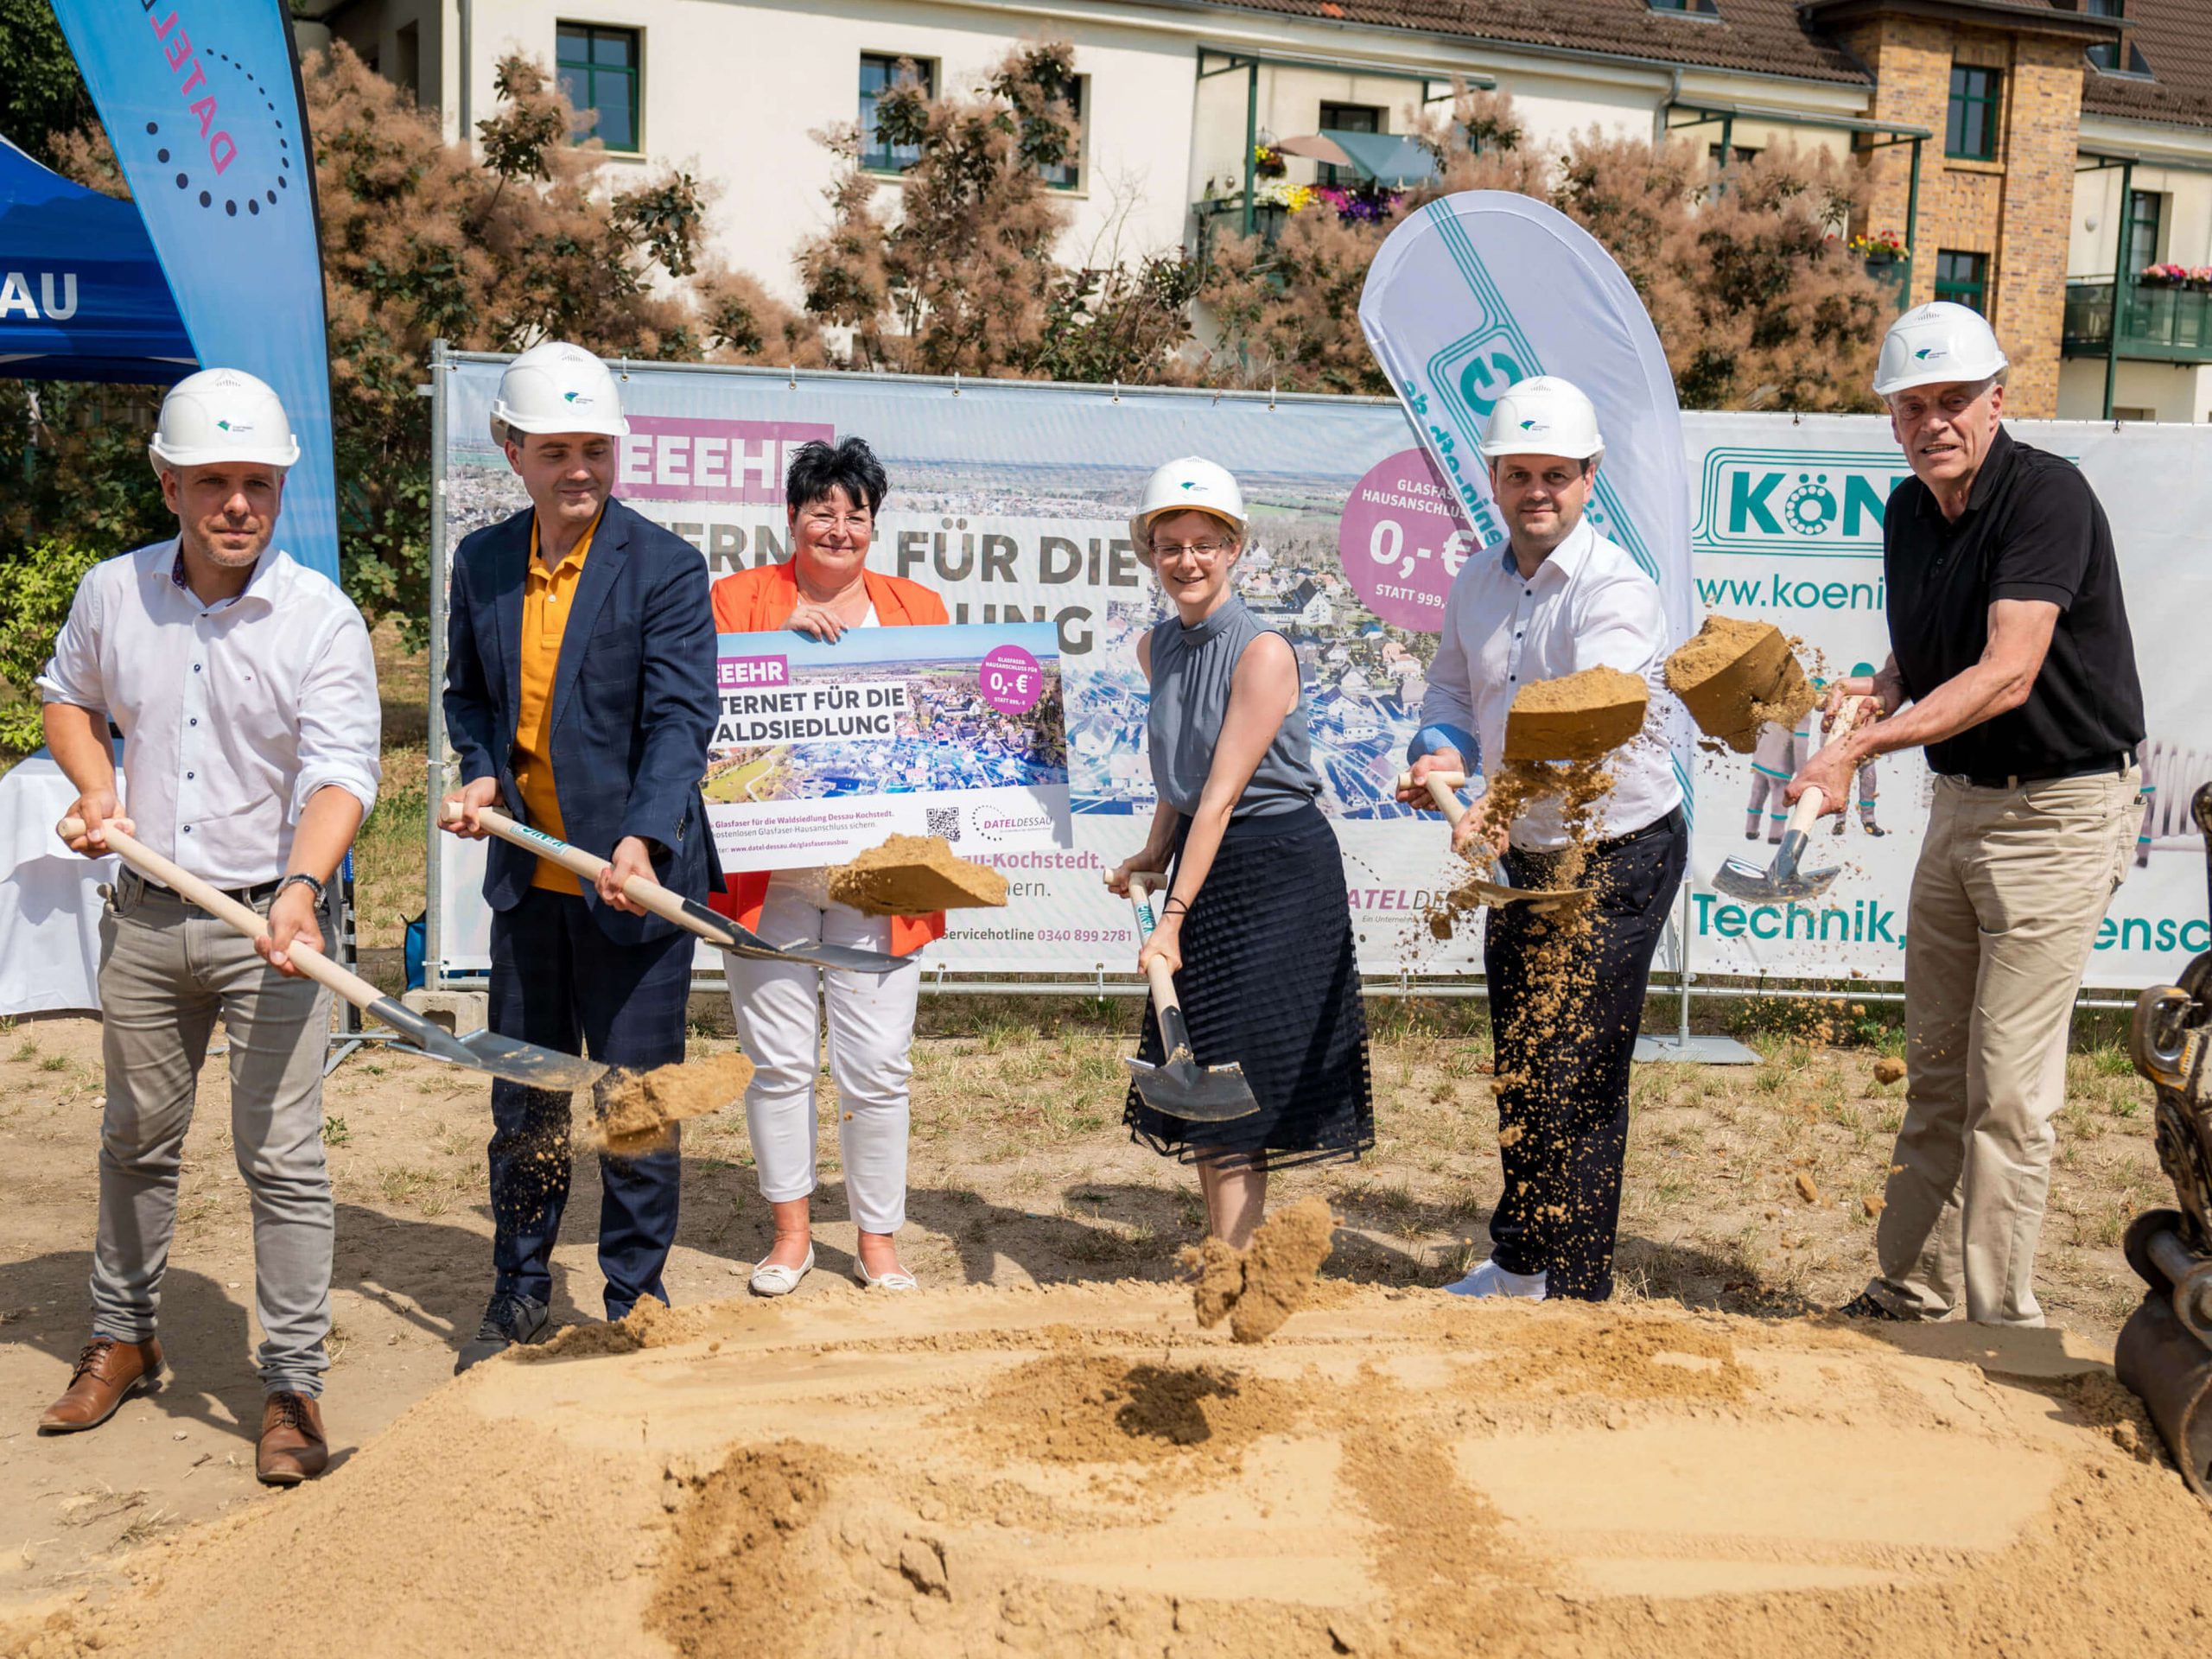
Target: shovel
[1441, 786]
[1785, 883]
[684, 913]
[482, 1051]
[1179, 1086]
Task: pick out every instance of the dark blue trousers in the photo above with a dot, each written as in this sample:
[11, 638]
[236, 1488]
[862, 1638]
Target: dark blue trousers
[556, 980]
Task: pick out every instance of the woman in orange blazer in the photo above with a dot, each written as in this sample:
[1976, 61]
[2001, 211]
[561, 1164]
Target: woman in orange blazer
[832, 496]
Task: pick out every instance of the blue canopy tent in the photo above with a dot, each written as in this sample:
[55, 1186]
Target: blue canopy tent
[82, 296]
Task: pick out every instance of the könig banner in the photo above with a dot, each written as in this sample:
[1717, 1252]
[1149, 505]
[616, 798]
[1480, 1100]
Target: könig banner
[1011, 500]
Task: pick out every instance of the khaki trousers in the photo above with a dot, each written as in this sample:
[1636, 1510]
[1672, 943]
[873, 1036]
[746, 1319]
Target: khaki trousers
[2006, 899]
[167, 970]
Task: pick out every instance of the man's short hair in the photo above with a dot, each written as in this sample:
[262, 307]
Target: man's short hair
[817, 468]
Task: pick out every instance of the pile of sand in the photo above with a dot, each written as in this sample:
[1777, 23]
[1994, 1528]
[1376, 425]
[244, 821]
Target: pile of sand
[635, 1111]
[1081, 1471]
[1257, 1289]
[915, 875]
[1582, 716]
[1735, 675]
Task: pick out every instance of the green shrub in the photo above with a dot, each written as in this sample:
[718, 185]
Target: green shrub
[36, 589]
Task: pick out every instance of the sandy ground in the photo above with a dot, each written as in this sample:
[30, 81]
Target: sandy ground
[1081, 1470]
[1020, 1177]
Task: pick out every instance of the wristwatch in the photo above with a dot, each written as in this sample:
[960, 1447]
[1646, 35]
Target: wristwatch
[302, 878]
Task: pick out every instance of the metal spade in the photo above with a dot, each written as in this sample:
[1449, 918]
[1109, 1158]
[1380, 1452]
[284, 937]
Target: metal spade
[1178, 1085]
[1785, 883]
[711, 926]
[480, 1050]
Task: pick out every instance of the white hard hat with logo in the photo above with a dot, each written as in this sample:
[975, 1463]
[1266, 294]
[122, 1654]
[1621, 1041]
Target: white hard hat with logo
[1936, 344]
[1543, 416]
[1190, 484]
[222, 415]
[557, 387]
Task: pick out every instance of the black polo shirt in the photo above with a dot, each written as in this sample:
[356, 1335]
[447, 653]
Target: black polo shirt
[2033, 529]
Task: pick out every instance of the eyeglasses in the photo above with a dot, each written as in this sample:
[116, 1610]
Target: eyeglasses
[1204, 552]
[822, 524]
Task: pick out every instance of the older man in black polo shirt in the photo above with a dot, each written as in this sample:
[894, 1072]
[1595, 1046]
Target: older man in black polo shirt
[2011, 663]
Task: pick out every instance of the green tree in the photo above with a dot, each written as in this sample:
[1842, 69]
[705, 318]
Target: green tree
[43, 92]
[35, 591]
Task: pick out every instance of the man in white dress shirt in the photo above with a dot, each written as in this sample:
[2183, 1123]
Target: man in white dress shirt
[245, 690]
[1555, 599]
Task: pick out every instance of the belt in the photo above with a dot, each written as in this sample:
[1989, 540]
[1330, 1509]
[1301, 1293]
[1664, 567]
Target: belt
[250, 897]
[2116, 764]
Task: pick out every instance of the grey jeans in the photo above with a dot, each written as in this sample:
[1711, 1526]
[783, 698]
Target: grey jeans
[167, 969]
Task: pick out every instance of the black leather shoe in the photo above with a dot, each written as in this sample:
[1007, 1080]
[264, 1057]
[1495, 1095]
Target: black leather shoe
[508, 1320]
[1864, 1306]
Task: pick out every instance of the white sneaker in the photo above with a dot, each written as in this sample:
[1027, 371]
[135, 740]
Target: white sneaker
[1491, 1280]
[771, 1279]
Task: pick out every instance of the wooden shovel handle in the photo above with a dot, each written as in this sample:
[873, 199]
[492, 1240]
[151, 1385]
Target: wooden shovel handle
[224, 908]
[1156, 971]
[1807, 812]
[640, 890]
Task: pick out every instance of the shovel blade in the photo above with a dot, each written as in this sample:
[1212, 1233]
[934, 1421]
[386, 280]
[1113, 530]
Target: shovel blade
[483, 1051]
[1198, 1093]
[1751, 885]
[718, 929]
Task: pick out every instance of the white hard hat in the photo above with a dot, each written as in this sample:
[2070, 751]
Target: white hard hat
[1936, 344]
[222, 415]
[1186, 486]
[1543, 416]
[557, 387]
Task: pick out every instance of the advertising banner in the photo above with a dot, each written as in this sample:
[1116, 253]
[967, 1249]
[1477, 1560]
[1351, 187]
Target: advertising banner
[1011, 501]
[201, 101]
[821, 750]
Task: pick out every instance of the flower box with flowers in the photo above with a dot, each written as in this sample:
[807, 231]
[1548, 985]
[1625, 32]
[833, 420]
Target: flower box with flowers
[2173, 276]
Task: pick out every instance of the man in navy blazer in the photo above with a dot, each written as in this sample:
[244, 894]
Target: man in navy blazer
[579, 697]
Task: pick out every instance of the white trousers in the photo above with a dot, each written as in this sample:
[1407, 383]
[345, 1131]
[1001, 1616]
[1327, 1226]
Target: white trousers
[871, 1034]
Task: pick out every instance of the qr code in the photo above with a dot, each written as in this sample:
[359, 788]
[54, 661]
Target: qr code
[944, 821]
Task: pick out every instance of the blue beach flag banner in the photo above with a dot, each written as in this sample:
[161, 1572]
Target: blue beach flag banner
[1480, 290]
[201, 101]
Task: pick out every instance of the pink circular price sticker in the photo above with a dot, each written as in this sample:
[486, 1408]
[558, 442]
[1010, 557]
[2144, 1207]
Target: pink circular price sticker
[1400, 541]
[1012, 680]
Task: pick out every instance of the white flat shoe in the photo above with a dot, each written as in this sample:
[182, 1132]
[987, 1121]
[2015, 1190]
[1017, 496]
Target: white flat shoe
[898, 1279]
[1491, 1280]
[772, 1279]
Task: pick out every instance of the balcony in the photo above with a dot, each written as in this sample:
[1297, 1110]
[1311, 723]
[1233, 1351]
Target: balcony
[2164, 324]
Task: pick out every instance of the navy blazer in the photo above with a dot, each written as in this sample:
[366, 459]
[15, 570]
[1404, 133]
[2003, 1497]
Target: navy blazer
[633, 701]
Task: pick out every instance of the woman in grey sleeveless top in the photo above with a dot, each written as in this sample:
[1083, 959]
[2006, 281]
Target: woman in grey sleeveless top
[1257, 926]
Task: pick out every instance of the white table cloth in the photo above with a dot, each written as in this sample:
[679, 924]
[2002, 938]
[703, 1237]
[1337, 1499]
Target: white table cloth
[49, 898]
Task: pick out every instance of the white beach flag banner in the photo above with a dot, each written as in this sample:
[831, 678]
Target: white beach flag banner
[1482, 289]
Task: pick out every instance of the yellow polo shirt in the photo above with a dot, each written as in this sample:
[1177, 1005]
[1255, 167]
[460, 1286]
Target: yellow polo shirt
[547, 597]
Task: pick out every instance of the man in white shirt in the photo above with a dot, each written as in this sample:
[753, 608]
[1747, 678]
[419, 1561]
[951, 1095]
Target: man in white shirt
[1566, 998]
[245, 690]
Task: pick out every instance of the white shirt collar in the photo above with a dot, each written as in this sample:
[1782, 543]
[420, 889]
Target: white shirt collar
[167, 563]
[1567, 559]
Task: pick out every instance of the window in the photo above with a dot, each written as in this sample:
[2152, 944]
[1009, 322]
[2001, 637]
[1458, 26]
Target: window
[1068, 176]
[1345, 118]
[1970, 130]
[878, 75]
[1735, 153]
[2146, 209]
[1704, 8]
[1963, 278]
[2115, 57]
[598, 77]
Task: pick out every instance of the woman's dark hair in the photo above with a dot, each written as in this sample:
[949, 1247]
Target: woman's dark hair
[816, 468]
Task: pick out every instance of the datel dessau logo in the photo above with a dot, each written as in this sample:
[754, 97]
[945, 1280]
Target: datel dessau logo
[1791, 502]
[225, 146]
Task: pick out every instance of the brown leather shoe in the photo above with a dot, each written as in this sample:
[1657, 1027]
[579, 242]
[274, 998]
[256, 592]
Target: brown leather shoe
[108, 1373]
[292, 1446]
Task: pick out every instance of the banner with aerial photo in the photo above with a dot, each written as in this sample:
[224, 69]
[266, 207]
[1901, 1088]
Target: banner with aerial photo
[820, 749]
[1012, 502]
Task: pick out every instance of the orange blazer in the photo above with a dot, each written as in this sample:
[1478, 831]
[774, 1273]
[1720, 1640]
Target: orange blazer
[761, 601]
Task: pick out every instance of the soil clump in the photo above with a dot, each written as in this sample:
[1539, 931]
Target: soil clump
[915, 875]
[651, 1324]
[1257, 1289]
[1889, 1070]
[1734, 675]
[1581, 716]
[636, 1110]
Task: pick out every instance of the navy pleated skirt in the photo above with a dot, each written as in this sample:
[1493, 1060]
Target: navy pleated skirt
[1270, 981]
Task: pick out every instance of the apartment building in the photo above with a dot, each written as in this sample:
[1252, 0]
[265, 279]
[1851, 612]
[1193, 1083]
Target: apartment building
[2047, 160]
